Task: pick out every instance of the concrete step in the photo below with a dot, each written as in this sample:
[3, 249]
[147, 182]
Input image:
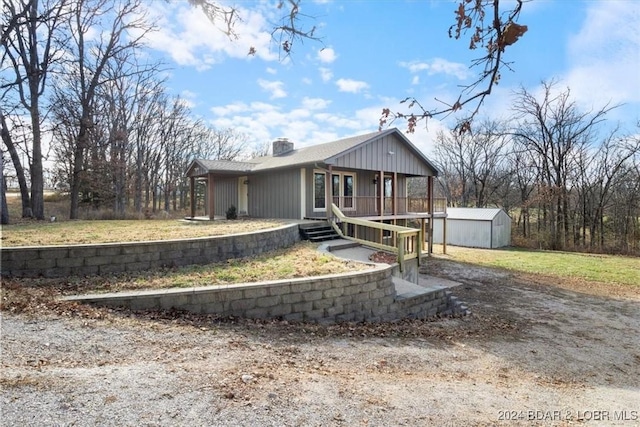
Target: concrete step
[318, 232]
[406, 289]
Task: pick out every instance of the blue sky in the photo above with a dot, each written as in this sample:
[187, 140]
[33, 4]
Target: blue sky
[375, 53]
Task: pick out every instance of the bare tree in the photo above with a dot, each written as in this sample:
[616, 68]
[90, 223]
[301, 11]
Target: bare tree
[8, 140]
[15, 17]
[525, 178]
[604, 173]
[474, 164]
[260, 149]
[125, 85]
[30, 49]
[124, 25]
[145, 138]
[225, 144]
[4, 214]
[451, 158]
[554, 132]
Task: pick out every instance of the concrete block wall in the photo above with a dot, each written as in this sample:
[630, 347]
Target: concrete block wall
[422, 306]
[100, 259]
[359, 296]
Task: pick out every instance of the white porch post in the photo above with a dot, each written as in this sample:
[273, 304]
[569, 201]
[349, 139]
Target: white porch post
[328, 194]
[431, 209]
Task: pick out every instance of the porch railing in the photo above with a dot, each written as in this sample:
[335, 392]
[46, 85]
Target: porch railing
[405, 241]
[370, 206]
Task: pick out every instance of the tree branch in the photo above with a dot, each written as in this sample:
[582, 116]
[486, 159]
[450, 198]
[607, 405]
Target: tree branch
[494, 37]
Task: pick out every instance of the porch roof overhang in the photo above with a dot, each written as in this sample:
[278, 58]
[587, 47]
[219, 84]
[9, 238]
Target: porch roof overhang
[202, 168]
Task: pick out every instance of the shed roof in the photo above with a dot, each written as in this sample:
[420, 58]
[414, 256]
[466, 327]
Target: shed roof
[479, 214]
[322, 153]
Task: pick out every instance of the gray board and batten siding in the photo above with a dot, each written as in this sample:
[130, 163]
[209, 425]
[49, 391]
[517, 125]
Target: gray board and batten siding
[474, 228]
[226, 194]
[387, 153]
[282, 185]
[274, 194]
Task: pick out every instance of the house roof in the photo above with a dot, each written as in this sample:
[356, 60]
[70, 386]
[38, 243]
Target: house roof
[313, 153]
[322, 153]
[226, 165]
[479, 214]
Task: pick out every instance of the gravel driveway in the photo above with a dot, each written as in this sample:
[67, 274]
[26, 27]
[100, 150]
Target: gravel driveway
[531, 353]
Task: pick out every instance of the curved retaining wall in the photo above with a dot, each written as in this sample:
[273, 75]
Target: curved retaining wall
[365, 295]
[107, 258]
[347, 297]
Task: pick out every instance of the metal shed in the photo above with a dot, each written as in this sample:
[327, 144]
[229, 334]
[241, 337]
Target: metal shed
[474, 228]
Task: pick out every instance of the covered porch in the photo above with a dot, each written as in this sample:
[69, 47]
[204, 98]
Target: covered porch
[205, 175]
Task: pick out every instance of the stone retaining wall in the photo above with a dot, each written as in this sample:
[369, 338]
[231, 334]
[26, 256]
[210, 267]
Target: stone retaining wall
[348, 297]
[100, 259]
[423, 306]
[358, 296]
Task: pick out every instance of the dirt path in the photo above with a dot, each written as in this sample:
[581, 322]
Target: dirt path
[530, 354]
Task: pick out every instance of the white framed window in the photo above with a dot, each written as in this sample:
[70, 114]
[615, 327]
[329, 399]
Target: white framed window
[319, 193]
[343, 190]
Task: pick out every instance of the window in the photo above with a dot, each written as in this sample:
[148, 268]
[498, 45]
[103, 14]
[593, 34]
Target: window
[318, 191]
[335, 189]
[347, 192]
[342, 190]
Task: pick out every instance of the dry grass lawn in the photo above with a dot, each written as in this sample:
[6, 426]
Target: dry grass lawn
[301, 260]
[40, 233]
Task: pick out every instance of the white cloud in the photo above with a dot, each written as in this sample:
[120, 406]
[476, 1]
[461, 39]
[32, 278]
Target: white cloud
[438, 66]
[308, 123]
[313, 123]
[325, 74]
[188, 98]
[235, 108]
[272, 71]
[327, 55]
[351, 86]
[307, 81]
[604, 55]
[275, 88]
[315, 103]
[415, 80]
[191, 39]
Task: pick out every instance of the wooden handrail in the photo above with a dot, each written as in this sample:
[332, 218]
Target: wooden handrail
[403, 235]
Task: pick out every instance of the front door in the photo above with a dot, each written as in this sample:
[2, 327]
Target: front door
[243, 195]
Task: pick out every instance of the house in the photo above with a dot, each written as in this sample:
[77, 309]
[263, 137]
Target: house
[365, 176]
[474, 228]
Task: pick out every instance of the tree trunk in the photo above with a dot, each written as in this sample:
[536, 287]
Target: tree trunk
[4, 215]
[37, 173]
[137, 190]
[78, 166]
[27, 212]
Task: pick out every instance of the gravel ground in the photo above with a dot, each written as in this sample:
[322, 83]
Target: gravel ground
[532, 353]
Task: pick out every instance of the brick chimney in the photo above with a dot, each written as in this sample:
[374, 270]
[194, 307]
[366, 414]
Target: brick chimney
[282, 146]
